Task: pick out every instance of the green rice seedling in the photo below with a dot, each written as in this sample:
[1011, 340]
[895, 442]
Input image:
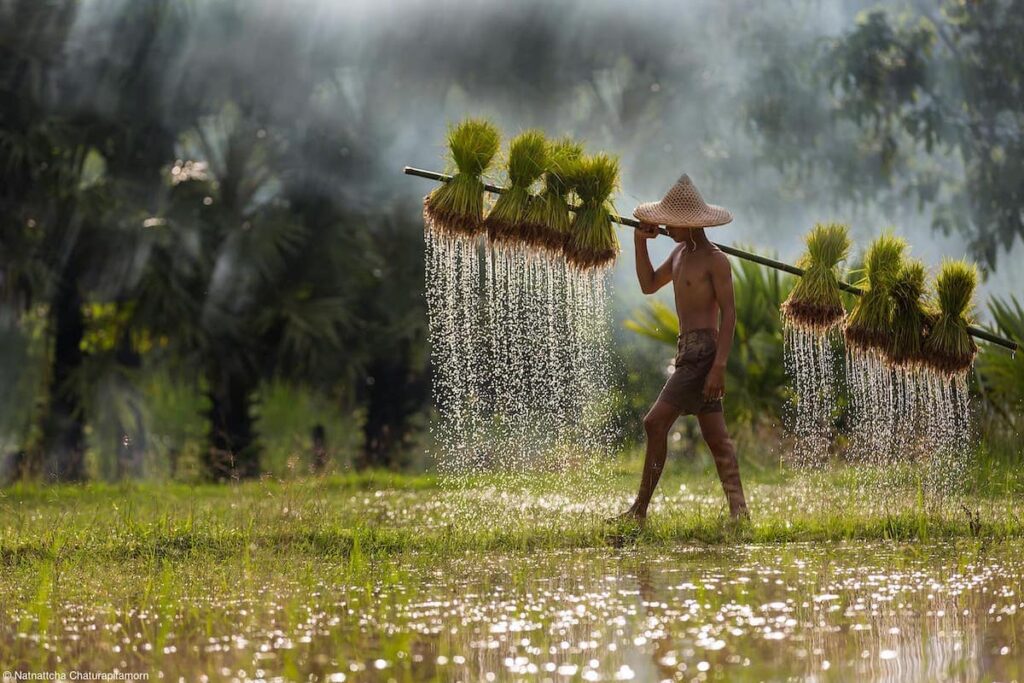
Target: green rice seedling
[592, 242]
[909, 315]
[547, 217]
[949, 348]
[457, 207]
[815, 303]
[869, 323]
[527, 161]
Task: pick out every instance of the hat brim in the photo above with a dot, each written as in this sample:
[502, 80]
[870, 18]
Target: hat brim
[654, 212]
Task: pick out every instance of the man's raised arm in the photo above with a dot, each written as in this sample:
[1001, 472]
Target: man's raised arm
[650, 280]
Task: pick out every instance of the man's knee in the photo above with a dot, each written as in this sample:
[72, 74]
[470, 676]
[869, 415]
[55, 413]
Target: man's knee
[657, 425]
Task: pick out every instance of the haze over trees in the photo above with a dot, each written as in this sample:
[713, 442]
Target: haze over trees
[204, 198]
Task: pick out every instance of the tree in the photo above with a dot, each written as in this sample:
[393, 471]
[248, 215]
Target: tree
[925, 105]
[49, 204]
[242, 287]
[77, 183]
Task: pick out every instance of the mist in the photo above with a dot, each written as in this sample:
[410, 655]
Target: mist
[661, 85]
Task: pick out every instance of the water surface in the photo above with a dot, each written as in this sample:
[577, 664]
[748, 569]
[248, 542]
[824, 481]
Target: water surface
[855, 611]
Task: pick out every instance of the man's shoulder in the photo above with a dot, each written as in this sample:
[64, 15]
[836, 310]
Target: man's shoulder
[718, 254]
[718, 258]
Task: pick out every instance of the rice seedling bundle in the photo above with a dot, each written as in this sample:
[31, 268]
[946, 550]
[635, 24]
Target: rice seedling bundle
[949, 348]
[457, 207]
[527, 161]
[869, 323]
[909, 316]
[547, 218]
[592, 242]
[815, 303]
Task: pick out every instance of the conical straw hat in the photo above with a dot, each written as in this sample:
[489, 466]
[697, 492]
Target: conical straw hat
[683, 207]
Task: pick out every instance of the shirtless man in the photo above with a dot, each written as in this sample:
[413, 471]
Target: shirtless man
[702, 282]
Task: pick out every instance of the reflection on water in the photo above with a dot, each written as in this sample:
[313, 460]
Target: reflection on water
[863, 611]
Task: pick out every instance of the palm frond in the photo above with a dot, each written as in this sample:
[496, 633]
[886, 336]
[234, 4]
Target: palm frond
[1001, 374]
[655, 321]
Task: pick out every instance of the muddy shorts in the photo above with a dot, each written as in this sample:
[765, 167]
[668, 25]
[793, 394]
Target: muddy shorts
[685, 387]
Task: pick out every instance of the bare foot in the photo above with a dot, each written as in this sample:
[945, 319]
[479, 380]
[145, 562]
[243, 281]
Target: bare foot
[739, 516]
[630, 516]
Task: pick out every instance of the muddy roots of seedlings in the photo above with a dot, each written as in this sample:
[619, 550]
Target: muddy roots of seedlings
[951, 364]
[503, 224]
[458, 215]
[811, 316]
[865, 337]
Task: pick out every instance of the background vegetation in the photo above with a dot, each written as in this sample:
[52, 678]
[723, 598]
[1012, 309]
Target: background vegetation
[209, 267]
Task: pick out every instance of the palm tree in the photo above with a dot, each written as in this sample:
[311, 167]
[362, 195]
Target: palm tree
[49, 209]
[241, 286]
[1000, 374]
[76, 181]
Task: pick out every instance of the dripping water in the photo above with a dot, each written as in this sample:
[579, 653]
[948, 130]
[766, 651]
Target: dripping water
[520, 351]
[909, 427]
[811, 360]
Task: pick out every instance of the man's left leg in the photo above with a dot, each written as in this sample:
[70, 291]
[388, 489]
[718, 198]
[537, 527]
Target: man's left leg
[716, 436]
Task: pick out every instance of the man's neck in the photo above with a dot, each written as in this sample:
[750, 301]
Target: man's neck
[698, 237]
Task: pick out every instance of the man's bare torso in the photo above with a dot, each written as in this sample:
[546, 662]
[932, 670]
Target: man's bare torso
[696, 302]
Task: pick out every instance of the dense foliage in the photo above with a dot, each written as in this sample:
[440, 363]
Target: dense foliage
[924, 105]
[202, 223]
[202, 233]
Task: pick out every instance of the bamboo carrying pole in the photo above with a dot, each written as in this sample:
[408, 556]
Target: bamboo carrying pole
[732, 251]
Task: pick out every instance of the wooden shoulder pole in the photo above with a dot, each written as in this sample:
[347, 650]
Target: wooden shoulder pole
[976, 332]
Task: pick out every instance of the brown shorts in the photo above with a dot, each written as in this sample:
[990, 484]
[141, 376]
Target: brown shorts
[694, 358]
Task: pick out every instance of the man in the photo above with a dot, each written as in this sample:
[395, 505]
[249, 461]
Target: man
[702, 282]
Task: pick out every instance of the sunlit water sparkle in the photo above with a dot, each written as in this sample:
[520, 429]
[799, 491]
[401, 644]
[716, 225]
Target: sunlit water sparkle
[909, 415]
[813, 364]
[855, 611]
[520, 343]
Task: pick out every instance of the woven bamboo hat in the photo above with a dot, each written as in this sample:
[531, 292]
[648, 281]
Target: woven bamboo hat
[683, 207]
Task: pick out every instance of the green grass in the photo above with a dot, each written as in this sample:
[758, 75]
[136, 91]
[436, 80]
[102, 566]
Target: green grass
[383, 514]
[289, 576]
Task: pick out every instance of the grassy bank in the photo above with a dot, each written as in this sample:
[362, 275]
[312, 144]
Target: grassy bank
[383, 514]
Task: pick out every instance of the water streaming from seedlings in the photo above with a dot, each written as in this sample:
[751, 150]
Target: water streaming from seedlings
[948, 436]
[520, 345]
[871, 411]
[458, 345]
[909, 423]
[812, 361]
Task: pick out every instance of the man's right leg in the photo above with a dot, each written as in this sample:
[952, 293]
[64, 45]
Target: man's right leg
[716, 436]
[657, 423]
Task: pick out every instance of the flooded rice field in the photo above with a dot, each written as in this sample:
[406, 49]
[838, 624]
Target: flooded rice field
[870, 611]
